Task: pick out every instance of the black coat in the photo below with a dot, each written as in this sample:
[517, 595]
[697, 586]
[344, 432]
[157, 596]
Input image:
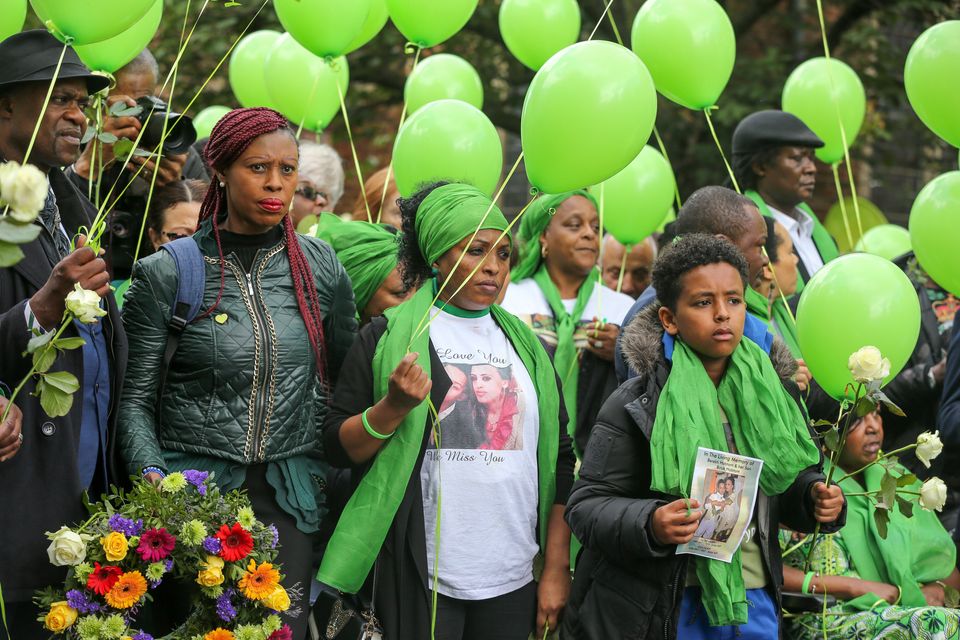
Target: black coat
[627, 585]
[39, 487]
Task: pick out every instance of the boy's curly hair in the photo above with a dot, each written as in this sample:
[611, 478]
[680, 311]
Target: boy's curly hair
[686, 253]
[413, 265]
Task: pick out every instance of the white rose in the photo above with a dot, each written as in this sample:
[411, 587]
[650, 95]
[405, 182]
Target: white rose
[24, 190]
[868, 365]
[929, 447]
[933, 494]
[67, 548]
[84, 305]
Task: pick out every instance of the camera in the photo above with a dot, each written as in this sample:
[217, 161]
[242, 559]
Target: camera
[180, 130]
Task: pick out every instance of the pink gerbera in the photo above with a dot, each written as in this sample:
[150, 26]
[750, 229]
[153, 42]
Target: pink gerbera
[284, 633]
[155, 545]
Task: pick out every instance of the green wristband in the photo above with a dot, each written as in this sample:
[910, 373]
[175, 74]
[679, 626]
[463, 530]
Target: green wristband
[370, 430]
[806, 582]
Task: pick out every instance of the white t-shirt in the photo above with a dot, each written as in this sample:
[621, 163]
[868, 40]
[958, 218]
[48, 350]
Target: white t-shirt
[486, 466]
[525, 300]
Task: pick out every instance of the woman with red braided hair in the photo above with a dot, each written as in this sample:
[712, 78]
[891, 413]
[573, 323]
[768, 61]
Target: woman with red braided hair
[245, 393]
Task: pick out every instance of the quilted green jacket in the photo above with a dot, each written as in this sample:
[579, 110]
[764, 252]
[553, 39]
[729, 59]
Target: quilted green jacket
[242, 385]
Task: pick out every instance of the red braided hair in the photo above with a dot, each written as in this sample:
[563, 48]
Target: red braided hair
[229, 138]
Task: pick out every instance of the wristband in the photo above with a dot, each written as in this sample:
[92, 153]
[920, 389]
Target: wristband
[370, 430]
[806, 582]
[147, 470]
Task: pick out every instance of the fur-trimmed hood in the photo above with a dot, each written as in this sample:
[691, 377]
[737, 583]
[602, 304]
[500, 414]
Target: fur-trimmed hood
[642, 347]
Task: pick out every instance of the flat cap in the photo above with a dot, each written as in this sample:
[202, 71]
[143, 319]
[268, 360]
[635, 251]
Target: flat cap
[31, 56]
[772, 128]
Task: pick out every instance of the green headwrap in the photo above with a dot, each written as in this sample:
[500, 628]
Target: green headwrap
[534, 222]
[766, 423]
[451, 213]
[368, 253]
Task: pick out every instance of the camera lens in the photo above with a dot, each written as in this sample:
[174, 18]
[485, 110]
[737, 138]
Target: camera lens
[180, 130]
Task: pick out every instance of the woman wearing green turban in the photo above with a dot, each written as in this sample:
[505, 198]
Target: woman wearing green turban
[450, 386]
[555, 290]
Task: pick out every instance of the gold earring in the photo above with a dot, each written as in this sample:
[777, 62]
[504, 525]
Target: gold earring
[543, 251]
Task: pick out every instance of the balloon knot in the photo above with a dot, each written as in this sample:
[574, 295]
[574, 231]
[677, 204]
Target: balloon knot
[411, 47]
[534, 191]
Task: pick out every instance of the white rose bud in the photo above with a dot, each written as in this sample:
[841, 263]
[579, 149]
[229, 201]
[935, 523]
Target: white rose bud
[868, 365]
[24, 190]
[933, 494]
[84, 305]
[929, 447]
[67, 548]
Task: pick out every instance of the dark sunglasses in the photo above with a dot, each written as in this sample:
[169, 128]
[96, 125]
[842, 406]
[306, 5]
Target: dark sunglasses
[310, 193]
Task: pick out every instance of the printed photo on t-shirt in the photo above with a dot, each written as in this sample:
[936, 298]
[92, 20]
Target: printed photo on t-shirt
[482, 410]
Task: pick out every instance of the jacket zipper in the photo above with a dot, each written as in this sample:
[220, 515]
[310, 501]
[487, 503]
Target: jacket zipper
[673, 600]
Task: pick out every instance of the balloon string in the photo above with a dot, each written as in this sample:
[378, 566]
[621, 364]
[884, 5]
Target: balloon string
[403, 117]
[713, 133]
[313, 92]
[600, 21]
[600, 252]
[783, 297]
[613, 23]
[46, 100]
[843, 206]
[627, 248]
[353, 150]
[435, 427]
[666, 156]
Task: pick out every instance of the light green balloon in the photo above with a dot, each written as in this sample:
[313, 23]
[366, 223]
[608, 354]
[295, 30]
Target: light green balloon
[587, 114]
[534, 30]
[89, 21]
[207, 118]
[636, 200]
[689, 47]
[13, 13]
[443, 76]
[109, 55]
[935, 227]
[326, 28]
[855, 301]
[427, 23]
[931, 79]
[376, 19]
[247, 62]
[887, 241]
[870, 217]
[447, 140]
[814, 92]
[302, 86]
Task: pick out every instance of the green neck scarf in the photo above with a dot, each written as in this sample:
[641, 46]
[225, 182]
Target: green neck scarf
[368, 253]
[786, 327]
[766, 424]
[916, 551]
[444, 221]
[757, 304]
[566, 359]
[534, 222]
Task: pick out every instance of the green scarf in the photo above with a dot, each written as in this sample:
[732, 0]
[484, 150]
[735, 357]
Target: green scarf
[916, 551]
[447, 216]
[535, 221]
[367, 251]
[757, 304]
[766, 423]
[779, 320]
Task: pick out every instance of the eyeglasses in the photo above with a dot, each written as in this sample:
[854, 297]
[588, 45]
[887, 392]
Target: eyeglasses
[173, 235]
[310, 193]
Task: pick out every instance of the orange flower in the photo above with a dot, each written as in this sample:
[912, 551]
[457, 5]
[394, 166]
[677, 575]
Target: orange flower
[258, 583]
[219, 634]
[127, 590]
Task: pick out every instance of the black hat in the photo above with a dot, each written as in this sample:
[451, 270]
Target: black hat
[772, 128]
[31, 56]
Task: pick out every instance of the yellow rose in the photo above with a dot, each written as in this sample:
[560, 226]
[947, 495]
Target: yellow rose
[213, 562]
[115, 546]
[279, 600]
[60, 616]
[209, 577]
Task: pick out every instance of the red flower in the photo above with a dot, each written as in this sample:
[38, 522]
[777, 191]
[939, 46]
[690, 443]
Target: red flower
[284, 633]
[103, 578]
[155, 545]
[235, 543]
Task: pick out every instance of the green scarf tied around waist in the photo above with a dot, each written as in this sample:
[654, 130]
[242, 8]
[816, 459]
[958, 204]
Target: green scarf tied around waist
[447, 216]
[777, 317]
[766, 423]
[367, 251]
[535, 221]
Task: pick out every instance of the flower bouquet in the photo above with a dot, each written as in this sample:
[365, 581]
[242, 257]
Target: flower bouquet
[181, 529]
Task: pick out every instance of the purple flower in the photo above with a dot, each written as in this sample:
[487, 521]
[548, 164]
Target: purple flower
[125, 525]
[276, 536]
[211, 545]
[143, 635]
[225, 609]
[78, 600]
[168, 565]
[197, 479]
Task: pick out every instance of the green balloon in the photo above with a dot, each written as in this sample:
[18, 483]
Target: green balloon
[109, 55]
[427, 23]
[808, 95]
[636, 200]
[534, 30]
[587, 114]
[247, 62]
[13, 13]
[376, 19]
[935, 227]
[89, 21]
[207, 118]
[443, 76]
[326, 28]
[447, 140]
[302, 86]
[855, 301]
[930, 77]
[887, 241]
[689, 48]
[870, 217]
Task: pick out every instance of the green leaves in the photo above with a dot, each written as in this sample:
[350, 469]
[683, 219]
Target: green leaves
[865, 406]
[120, 109]
[906, 507]
[831, 438]
[18, 233]
[10, 254]
[888, 490]
[56, 392]
[882, 518]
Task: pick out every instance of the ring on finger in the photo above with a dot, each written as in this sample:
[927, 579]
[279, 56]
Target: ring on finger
[598, 344]
[19, 439]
